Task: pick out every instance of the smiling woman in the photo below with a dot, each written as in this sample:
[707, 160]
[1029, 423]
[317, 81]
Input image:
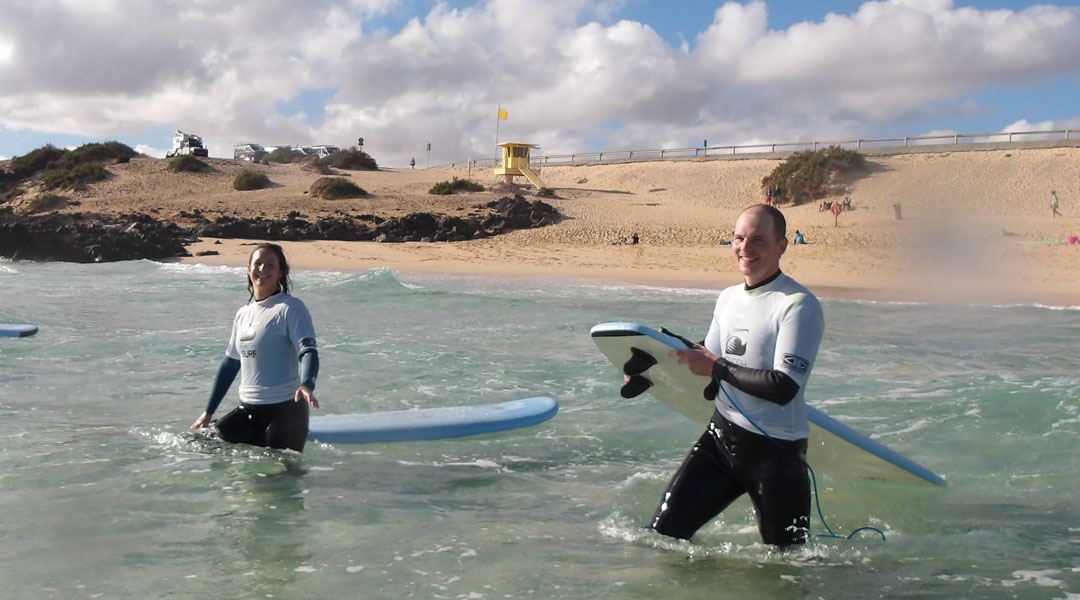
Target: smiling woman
[272, 347]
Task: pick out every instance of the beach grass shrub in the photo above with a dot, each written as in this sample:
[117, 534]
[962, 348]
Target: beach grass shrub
[12, 194]
[351, 159]
[334, 188]
[314, 164]
[75, 169]
[813, 174]
[187, 163]
[250, 180]
[444, 188]
[34, 161]
[73, 178]
[97, 152]
[284, 155]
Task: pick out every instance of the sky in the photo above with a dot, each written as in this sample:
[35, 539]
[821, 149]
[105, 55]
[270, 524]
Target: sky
[572, 75]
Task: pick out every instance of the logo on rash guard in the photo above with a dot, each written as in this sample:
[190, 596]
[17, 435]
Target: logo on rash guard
[307, 344]
[797, 364]
[735, 345]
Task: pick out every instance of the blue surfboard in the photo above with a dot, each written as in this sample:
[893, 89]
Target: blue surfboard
[431, 423]
[833, 446]
[17, 329]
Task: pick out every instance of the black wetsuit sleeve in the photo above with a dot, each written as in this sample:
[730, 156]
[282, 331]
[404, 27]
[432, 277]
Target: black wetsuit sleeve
[309, 368]
[226, 373]
[767, 384]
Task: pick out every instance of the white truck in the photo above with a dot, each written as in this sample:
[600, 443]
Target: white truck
[187, 143]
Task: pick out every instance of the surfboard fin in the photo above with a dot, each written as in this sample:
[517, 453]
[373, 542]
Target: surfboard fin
[635, 386]
[639, 362]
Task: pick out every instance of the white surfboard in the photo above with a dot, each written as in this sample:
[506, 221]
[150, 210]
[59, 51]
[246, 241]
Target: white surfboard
[17, 329]
[431, 423]
[833, 446]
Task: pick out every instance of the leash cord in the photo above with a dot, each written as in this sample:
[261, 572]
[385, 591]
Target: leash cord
[813, 478]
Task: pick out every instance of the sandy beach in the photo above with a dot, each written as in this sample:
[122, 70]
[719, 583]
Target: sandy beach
[976, 225]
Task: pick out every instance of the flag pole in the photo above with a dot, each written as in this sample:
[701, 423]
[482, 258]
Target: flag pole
[498, 117]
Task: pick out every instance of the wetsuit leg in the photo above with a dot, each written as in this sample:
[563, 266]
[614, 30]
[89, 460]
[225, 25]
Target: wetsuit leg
[781, 495]
[288, 426]
[238, 427]
[701, 488]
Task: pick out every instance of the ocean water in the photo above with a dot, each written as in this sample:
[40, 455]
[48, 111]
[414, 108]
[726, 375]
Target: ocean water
[105, 494]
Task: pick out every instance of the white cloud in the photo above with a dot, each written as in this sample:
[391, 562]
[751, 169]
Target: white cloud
[570, 75]
[150, 151]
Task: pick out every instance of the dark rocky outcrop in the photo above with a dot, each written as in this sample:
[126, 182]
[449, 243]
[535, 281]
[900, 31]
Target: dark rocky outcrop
[90, 238]
[101, 238]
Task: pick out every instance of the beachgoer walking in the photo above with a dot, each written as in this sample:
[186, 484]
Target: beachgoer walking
[760, 349]
[272, 347]
[836, 209]
[1054, 204]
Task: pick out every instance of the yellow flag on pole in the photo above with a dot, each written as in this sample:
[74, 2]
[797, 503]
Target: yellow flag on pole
[502, 114]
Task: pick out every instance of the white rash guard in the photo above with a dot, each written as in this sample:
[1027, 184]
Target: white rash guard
[268, 338]
[777, 325]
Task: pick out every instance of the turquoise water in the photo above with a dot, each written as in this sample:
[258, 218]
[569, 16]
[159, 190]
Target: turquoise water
[104, 493]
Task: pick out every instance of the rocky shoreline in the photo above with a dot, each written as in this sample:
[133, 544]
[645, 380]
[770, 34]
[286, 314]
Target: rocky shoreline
[91, 237]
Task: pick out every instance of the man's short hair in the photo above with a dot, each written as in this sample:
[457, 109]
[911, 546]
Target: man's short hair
[778, 220]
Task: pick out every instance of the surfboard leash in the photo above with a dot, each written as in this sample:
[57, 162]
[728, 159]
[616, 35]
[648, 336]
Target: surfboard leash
[813, 477]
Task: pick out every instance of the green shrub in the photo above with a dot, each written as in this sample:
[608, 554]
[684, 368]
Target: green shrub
[96, 153]
[187, 164]
[351, 159]
[810, 175]
[73, 178]
[443, 188]
[333, 188]
[34, 161]
[250, 180]
[12, 194]
[283, 154]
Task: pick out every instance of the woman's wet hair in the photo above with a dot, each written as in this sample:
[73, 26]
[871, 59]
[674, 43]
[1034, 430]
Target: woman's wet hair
[283, 265]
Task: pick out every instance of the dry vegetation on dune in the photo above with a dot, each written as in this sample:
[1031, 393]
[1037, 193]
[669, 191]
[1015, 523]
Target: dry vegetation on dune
[670, 202]
[970, 218]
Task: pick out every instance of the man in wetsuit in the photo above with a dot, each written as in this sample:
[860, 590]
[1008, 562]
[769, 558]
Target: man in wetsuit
[760, 349]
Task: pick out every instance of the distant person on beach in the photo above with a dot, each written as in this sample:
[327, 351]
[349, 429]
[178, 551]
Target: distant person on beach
[762, 342]
[799, 239]
[272, 347]
[1054, 204]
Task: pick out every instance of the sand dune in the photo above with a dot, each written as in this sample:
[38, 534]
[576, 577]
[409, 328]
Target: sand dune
[976, 224]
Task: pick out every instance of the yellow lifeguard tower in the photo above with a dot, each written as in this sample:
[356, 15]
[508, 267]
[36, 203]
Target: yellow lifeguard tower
[515, 161]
